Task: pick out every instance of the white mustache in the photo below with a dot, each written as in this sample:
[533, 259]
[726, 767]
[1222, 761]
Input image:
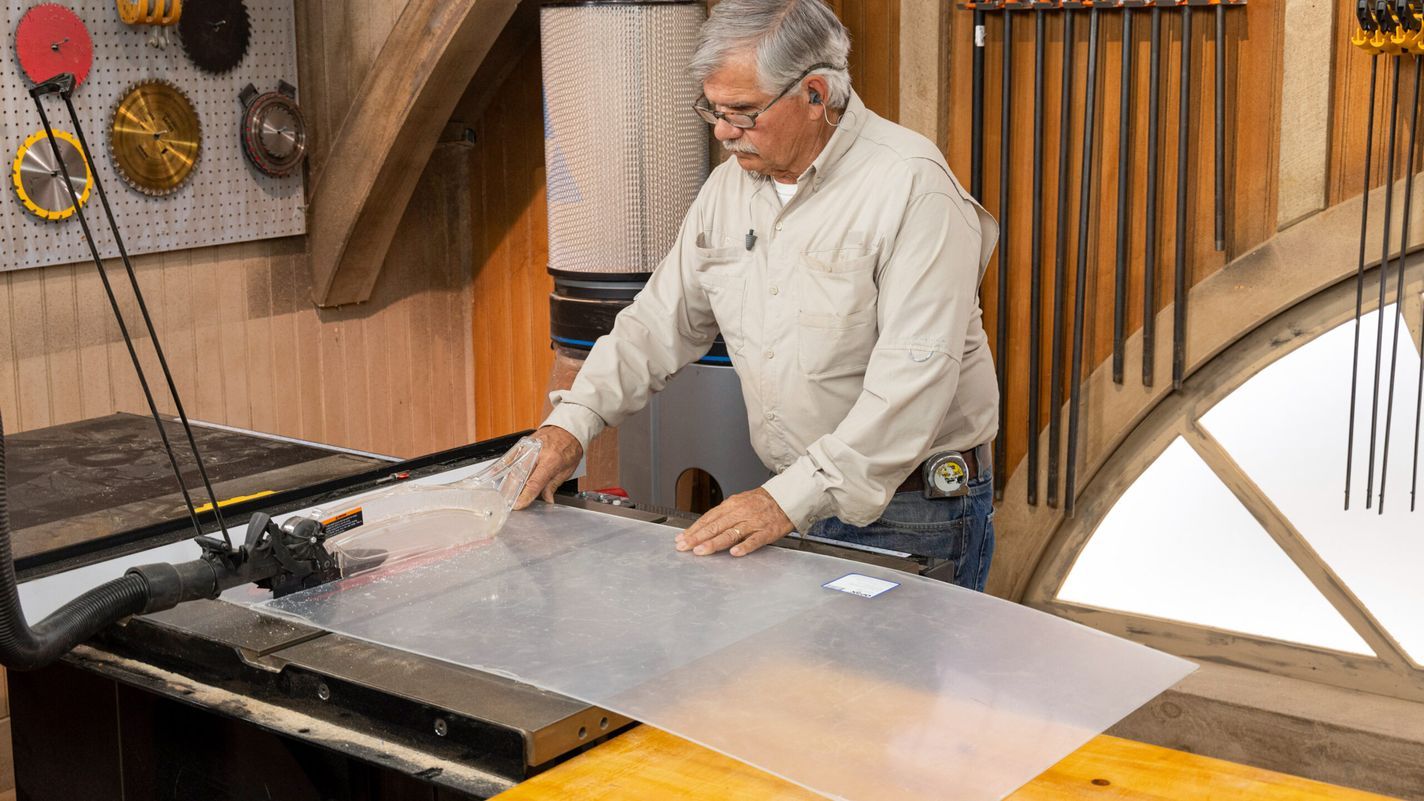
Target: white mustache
[741, 147]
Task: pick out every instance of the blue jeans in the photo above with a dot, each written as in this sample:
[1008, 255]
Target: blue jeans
[959, 529]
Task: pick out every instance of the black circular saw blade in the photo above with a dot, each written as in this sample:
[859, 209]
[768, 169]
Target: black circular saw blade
[215, 33]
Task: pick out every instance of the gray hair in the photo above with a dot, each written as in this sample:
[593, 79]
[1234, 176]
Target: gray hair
[788, 36]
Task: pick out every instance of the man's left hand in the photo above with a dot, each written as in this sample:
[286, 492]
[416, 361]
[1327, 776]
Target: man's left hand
[744, 522]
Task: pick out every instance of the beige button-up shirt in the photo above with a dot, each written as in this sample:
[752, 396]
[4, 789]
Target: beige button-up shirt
[853, 321]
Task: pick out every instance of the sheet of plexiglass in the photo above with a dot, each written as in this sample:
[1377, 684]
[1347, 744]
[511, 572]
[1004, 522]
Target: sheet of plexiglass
[925, 691]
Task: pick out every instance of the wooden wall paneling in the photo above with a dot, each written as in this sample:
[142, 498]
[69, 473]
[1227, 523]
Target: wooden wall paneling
[878, 27]
[874, 27]
[922, 83]
[1305, 89]
[308, 343]
[380, 366]
[422, 361]
[403, 345]
[286, 363]
[508, 258]
[356, 353]
[332, 369]
[27, 310]
[61, 339]
[262, 380]
[510, 325]
[454, 307]
[149, 270]
[209, 400]
[176, 299]
[481, 311]
[9, 361]
[232, 313]
[532, 283]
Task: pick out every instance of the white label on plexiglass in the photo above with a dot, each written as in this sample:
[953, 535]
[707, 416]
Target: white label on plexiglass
[864, 586]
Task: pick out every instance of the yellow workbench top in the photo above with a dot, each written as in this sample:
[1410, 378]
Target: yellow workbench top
[646, 763]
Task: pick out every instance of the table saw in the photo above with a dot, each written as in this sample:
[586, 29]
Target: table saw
[214, 700]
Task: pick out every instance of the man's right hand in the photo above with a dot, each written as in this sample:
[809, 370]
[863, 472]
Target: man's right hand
[558, 459]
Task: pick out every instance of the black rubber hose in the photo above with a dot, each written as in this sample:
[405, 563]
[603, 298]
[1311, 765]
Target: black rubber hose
[26, 648]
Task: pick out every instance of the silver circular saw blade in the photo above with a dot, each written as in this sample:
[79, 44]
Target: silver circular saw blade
[42, 180]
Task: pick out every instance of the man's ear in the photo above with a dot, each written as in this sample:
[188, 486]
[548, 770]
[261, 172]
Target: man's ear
[817, 92]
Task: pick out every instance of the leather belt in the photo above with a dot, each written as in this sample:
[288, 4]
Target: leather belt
[974, 459]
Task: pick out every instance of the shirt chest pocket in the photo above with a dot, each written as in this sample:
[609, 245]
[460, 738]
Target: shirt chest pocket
[721, 272]
[835, 322]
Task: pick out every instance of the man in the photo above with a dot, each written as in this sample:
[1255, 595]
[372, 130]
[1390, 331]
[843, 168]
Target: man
[840, 260]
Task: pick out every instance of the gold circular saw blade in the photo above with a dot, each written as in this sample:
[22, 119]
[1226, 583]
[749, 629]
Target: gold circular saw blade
[39, 182]
[155, 137]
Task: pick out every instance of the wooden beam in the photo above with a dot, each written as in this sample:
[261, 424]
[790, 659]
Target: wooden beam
[1276, 657]
[388, 136]
[924, 68]
[1274, 522]
[1305, 101]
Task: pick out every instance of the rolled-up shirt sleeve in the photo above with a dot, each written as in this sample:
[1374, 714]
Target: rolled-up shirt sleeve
[928, 299]
[668, 325]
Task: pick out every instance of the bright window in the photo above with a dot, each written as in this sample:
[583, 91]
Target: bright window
[1180, 545]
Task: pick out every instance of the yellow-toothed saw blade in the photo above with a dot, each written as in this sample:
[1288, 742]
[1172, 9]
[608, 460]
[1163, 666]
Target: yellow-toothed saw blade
[155, 137]
[39, 182]
[150, 12]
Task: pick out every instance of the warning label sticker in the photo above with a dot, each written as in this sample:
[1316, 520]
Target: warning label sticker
[342, 522]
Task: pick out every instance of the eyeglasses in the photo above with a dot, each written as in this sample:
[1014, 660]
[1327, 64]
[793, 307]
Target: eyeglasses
[745, 121]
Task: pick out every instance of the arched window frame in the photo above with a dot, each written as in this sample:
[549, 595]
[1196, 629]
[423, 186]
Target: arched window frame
[1390, 671]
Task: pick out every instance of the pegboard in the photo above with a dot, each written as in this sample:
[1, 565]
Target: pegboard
[224, 200]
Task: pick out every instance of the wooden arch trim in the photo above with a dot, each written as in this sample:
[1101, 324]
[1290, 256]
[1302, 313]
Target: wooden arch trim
[1296, 264]
[388, 136]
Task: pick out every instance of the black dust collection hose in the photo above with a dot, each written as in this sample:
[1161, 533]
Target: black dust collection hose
[283, 559]
[23, 647]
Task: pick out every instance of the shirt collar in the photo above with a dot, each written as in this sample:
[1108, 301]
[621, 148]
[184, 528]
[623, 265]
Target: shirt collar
[848, 130]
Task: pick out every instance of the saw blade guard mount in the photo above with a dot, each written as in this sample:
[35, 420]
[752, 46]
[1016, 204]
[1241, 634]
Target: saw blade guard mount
[420, 520]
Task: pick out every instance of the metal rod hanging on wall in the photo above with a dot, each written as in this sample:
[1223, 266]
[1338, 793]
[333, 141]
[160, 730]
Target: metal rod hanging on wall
[1360, 271]
[1124, 197]
[1399, 287]
[1061, 361]
[63, 86]
[1080, 284]
[1180, 270]
[1001, 310]
[1391, 154]
[976, 146]
[1394, 29]
[1035, 335]
[1418, 415]
[1060, 266]
[1149, 256]
[1219, 149]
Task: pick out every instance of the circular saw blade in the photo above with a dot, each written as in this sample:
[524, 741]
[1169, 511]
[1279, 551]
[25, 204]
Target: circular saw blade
[39, 182]
[155, 137]
[274, 134]
[150, 12]
[215, 33]
[51, 39]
